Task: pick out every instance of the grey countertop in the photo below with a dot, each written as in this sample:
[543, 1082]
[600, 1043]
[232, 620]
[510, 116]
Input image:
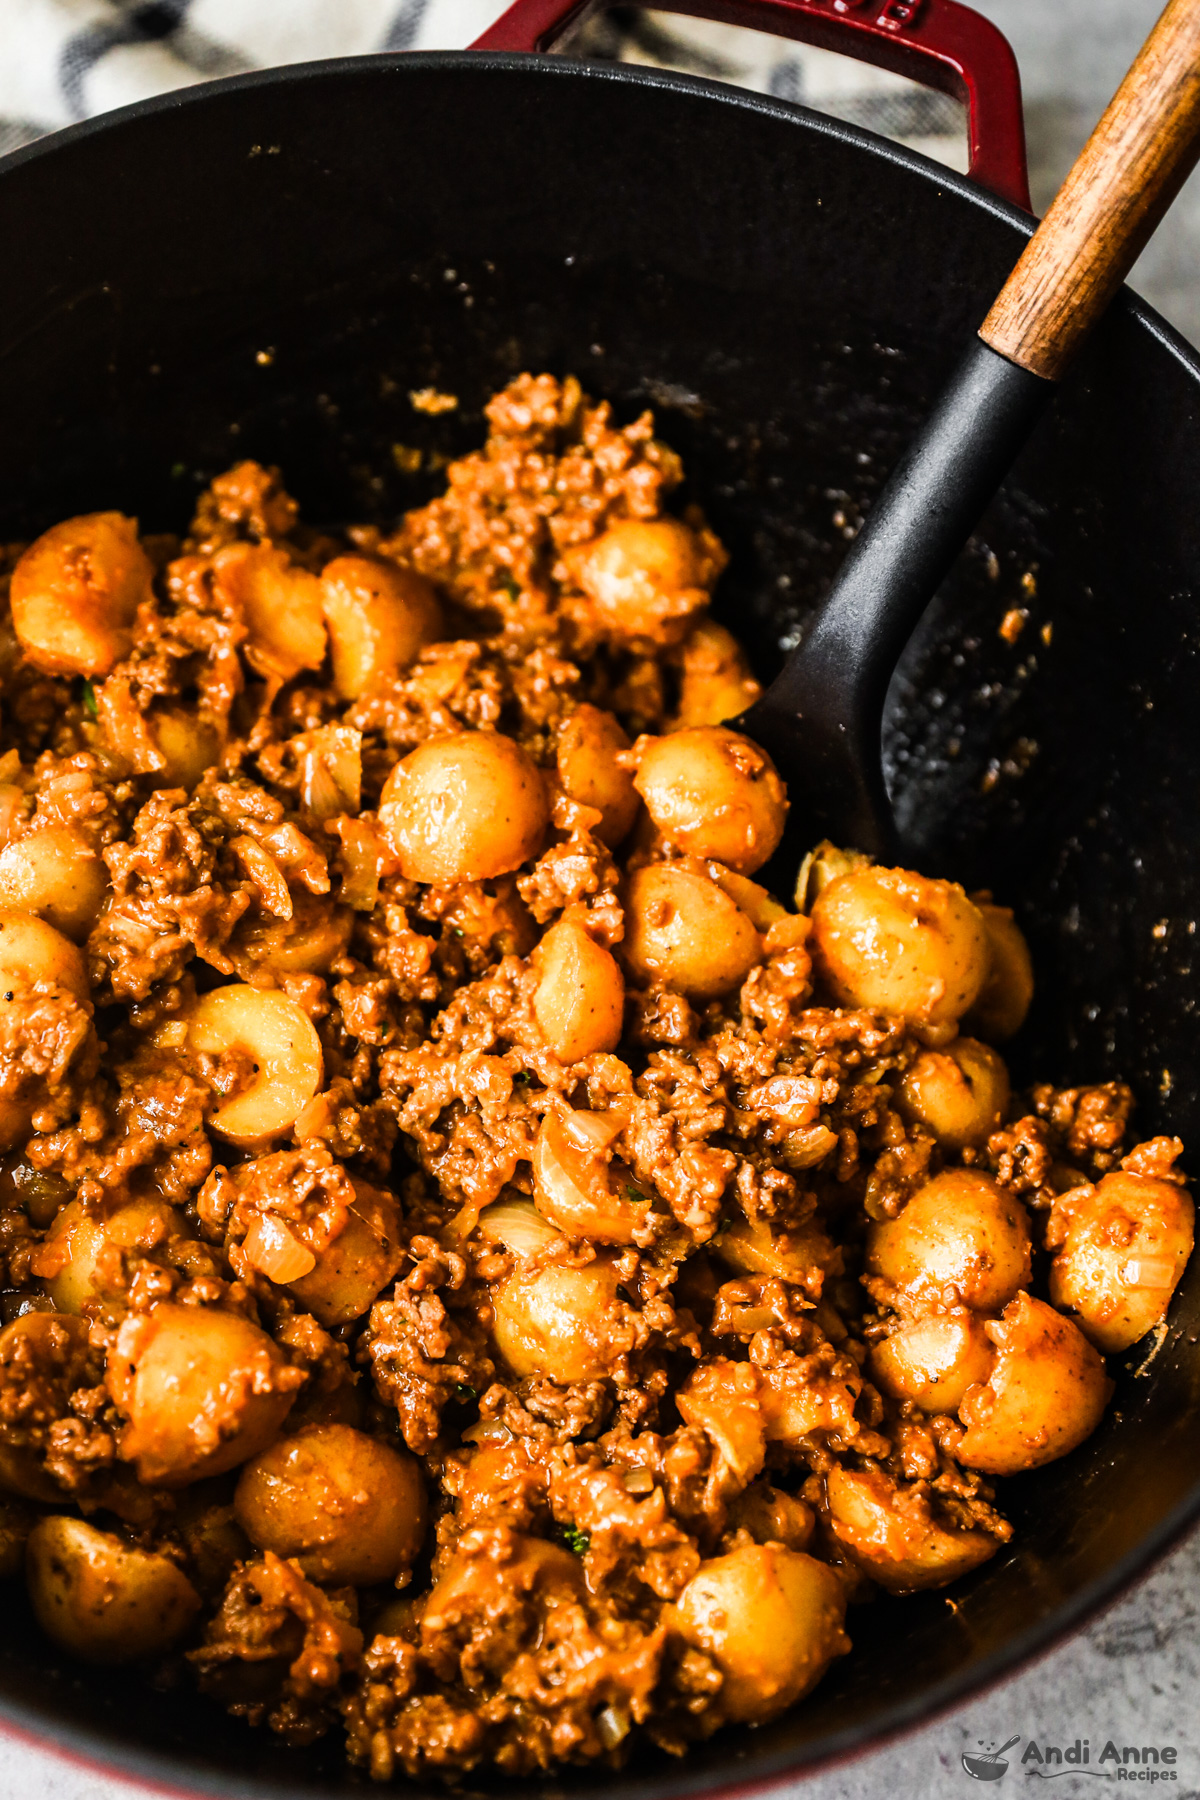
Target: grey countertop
[1133, 1675]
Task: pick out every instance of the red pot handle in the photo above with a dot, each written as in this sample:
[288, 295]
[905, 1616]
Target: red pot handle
[936, 42]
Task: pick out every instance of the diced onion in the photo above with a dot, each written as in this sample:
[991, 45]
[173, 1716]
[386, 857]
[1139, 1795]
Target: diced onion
[331, 771]
[612, 1724]
[519, 1226]
[1149, 1272]
[273, 1250]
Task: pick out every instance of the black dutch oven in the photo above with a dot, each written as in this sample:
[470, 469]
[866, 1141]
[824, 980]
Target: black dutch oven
[266, 266]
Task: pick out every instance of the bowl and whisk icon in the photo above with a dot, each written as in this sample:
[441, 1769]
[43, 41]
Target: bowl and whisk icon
[987, 1766]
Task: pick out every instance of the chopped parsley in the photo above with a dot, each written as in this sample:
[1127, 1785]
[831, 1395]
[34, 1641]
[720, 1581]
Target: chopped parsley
[87, 699]
[464, 1392]
[577, 1541]
[636, 1195]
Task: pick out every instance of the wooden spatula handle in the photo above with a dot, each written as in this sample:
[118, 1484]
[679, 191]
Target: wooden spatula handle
[1128, 173]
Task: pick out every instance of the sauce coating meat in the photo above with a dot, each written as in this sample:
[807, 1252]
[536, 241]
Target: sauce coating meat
[480, 1271]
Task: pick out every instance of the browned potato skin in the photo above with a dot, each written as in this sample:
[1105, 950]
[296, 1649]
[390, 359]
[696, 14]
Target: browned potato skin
[589, 743]
[645, 578]
[772, 1621]
[579, 1001]
[900, 942]
[1127, 1225]
[202, 1389]
[960, 1093]
[466, 807]
[57, 875]
[378, 616]
[358, 1264]
[713, 793]
[349, 1508]
[75, 593]
[1046, 1393]
[893, 1536]
[559, 1321]
[1003, 1001]
[933, 1361]
[715, 679]
[960, 1232]
[682, 932]
[101, 1599]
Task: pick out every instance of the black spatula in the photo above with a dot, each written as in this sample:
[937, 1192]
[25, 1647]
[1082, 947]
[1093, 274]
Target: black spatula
[821, 718]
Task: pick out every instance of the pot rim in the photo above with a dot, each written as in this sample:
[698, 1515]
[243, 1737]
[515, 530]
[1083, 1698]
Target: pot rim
[159, 1771]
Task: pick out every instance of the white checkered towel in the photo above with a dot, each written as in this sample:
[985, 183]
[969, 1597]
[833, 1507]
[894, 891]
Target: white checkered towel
[62, 60]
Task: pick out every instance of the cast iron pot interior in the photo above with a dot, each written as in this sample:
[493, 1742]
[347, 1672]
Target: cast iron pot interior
[787, 293]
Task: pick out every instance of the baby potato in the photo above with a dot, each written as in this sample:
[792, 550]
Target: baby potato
[283, 1050]
[1124, 1245]
[645, 578]
[715, 682]
[378, 616]
[76, 591]
[960, 1231]
[281, 604]
[578, 1185]
[560, 1322]
[56, 875]
[101, 1599]
[309, 943]
[33, 957]
[464, 808]
[88, 1252]
[189, 744]
[933, 1361]
[771, 1619]
[579, 1001]
[682, 932]
[713, 793]
[34, 954]
[893, 1535]
[1047, 1391]
[899, 943]
[960, 1093]
[588, 745]
[1003, 1000]
[202, 1390]
[357, 1265]
[350, 1508]
[524, 1576]
[772, 1516]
